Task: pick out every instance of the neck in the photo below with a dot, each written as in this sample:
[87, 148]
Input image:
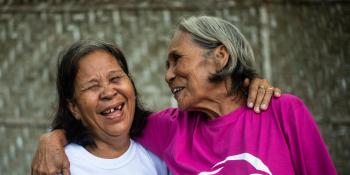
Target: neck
[216, 108]
[220, 103]
[112, 148]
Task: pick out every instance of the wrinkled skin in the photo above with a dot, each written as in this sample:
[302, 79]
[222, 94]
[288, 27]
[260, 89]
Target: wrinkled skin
[190, 74]
[50, 158]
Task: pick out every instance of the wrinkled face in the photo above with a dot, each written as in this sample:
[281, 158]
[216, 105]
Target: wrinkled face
[188, 70]
[104, 96]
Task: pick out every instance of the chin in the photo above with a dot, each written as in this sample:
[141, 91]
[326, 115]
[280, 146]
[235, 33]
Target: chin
[183, 107]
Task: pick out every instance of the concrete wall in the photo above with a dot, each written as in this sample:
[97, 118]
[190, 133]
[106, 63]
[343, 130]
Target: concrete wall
[301, 46]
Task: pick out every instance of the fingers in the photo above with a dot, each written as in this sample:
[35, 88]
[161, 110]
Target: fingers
[66, 172]
[49, 158]
[259, 98]
[253, 90]
[260, 93]
[65, 168]
[45, 171]
[267, 98]
[277, 92]
[53, 171]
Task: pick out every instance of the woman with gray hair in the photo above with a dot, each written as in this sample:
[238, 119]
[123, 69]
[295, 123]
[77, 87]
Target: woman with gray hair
[212, 131]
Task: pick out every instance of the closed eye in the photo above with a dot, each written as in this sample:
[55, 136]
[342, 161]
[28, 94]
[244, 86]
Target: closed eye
[116, 79]
[176, 57]
[91, 87]
[173, 58]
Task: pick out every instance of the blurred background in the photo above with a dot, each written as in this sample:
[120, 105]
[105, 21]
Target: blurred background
[302, 46]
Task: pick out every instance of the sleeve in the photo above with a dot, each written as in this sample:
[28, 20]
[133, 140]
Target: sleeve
[157, 133]
[161, 167]
[308, 150]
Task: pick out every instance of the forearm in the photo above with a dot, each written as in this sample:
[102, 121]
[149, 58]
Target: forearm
[50, 157]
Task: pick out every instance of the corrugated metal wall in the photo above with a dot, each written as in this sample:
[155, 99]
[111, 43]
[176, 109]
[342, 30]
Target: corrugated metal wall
[301, 46]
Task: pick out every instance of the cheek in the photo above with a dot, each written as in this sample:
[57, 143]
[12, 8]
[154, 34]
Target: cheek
[87, 107]
[127, 90]
[89, 101]
[199, 79]
[201, 88]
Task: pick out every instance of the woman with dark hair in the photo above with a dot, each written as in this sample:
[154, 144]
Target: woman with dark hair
[212, 131]
[100, 112]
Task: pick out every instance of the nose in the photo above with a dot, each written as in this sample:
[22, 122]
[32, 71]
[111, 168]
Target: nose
[108, 92]
[170, 75]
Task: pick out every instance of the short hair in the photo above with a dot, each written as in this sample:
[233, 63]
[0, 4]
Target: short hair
[68, 65]
[211, 32]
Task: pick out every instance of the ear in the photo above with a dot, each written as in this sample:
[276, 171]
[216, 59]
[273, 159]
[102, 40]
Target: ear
[74, 110]
[221, 56]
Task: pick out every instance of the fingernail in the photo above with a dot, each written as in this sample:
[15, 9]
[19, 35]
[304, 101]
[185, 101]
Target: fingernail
[256, 109]
[278, 94]
[250, 104]
[263, 106]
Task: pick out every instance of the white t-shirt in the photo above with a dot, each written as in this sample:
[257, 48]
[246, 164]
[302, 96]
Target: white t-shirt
[135, 161]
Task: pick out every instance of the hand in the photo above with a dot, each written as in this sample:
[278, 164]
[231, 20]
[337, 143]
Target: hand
[260, 93]
[50, 158]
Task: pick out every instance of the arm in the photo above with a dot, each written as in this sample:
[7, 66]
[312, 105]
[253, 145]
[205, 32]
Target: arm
[307, 148]
[50, 158]
[260, 93]
[158, 132]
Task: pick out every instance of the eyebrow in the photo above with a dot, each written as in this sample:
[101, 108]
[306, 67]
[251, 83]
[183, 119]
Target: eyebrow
[113, 72]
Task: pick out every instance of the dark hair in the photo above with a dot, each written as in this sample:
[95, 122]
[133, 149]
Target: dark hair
[67, 71]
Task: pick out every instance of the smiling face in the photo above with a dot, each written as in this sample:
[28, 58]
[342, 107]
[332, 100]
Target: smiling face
[104, 96]
[188, 69]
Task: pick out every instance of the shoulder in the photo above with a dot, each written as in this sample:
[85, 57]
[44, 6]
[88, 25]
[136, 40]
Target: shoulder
[72, 147]
[166, 112]
[74, 151]
[287, 101]
[290, 109]
[143, 153]
[175, 116]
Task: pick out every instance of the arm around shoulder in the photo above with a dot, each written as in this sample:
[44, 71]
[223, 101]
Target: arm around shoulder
[158, 130]
[50, 157]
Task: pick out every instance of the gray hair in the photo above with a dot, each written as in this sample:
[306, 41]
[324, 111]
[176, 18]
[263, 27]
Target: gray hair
[211, 32]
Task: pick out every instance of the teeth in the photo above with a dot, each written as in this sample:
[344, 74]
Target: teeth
[112, 110]
[175, 90]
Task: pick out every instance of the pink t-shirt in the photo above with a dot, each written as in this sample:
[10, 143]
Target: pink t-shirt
[282, 140]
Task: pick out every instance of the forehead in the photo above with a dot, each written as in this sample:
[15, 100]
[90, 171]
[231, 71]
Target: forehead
[180, 40]
[183, 44]
[98, 61]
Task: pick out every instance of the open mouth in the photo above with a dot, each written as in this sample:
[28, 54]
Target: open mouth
[112, 110]
[177, 90]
